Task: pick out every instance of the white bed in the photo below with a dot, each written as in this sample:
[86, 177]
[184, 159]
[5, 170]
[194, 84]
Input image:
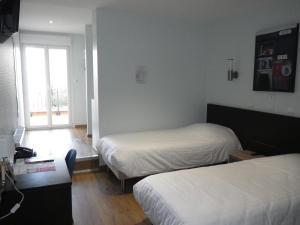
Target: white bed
[264, 191]
[140, 154]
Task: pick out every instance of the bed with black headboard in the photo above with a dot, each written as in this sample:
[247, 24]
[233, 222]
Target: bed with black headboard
[266, 188]
[264, 133]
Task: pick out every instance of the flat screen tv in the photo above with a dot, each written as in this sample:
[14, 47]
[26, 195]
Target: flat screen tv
[9, 18]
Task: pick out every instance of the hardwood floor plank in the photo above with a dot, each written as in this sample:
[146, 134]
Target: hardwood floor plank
[98, 200]
[57, 142]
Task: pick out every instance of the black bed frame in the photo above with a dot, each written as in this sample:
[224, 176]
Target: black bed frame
[264, 133]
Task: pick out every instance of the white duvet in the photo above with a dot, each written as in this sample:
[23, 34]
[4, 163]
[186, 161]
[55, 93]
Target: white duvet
[263, 191]
[145, 153]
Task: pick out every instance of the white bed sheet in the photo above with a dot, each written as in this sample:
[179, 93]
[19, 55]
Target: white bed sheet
[263, 191]
[145, 153]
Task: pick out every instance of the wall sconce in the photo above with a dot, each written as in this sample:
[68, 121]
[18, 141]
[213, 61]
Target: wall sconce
[232, 73]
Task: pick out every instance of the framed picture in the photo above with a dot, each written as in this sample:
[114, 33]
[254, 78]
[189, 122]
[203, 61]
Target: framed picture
[276, 60]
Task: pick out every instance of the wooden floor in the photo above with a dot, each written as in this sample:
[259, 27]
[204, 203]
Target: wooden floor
[97, 197]
[57, 142]
[98, 200]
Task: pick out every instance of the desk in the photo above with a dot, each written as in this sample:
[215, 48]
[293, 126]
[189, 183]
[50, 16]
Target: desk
[48, 198]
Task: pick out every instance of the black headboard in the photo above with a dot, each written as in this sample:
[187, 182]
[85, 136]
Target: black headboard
[266, 133]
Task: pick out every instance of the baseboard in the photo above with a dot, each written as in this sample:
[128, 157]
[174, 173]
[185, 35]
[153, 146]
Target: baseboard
[86, 171]
[87, 158]
[99, 169]
[80, 126]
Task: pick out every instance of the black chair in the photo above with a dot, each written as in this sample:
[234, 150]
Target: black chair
[70, 160]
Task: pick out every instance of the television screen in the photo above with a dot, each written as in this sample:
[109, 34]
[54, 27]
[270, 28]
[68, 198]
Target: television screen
[9, 18]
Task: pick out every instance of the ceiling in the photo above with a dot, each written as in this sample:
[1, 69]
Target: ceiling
[70, 16]
[66, 19]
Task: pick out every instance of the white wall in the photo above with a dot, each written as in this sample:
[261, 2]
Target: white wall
[79, 79]
[19, 79]
[95, 101]
[186, 66]
[75, 42]
[172, 52]
[235, 37]
[89, 75]
[8, 97]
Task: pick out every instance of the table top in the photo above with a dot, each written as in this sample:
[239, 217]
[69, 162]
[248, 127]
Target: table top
[44, 179]
[244, 154]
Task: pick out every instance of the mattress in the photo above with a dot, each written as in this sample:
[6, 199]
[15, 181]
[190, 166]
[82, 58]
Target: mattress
[145, 153]
[261, 191]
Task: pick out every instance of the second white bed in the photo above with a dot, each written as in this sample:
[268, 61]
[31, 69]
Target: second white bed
[145, 153]
[261, 191]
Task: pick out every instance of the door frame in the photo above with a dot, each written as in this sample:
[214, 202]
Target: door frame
[47, 72]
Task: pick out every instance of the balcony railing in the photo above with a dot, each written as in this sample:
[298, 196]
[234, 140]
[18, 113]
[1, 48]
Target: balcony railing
[58, 99]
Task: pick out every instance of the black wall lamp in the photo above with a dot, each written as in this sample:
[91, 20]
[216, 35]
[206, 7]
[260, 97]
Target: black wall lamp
[232, 73]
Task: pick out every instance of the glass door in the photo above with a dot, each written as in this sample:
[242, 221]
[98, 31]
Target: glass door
[37, 88]
[58, 68]
[47, 89]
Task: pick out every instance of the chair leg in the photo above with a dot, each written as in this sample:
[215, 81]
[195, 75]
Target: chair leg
[123, 185]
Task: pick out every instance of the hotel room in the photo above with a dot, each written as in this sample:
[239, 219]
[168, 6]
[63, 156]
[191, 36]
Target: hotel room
[136, 112]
